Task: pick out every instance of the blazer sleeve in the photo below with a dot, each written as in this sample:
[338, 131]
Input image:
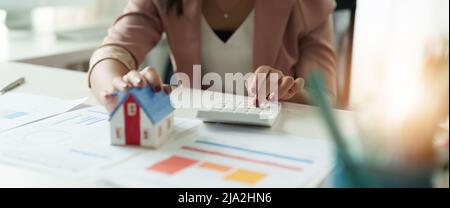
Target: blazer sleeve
[316, 43]
[132, 35]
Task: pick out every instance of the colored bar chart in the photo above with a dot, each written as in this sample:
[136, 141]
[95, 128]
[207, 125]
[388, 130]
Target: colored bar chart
[246, 176]
[241, 158]
[211, 152]
[175, 164]
[215, 167]
[172, 165]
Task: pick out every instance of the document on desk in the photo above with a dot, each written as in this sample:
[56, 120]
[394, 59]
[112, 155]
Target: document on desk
[222, 156]
[73, 144]
[17, 109]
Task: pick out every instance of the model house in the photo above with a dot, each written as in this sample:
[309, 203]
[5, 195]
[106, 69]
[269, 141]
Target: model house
[142, 117]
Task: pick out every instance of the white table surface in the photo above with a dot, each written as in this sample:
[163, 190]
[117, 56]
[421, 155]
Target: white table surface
[295, 119]
[43, 48]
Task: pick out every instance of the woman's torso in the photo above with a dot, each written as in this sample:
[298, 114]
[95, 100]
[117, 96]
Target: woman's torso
[232, 56]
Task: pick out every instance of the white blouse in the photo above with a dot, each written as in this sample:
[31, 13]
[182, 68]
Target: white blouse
[234, 56]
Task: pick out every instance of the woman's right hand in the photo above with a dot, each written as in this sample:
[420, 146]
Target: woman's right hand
[134, 79]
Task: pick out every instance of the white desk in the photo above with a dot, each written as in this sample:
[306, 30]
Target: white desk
[46, 49]
[296, 119]
[43, 49]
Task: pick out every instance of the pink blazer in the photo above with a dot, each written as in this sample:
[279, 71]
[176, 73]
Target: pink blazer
[294, 36]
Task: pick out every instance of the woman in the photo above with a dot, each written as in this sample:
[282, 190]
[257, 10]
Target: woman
[289, 38]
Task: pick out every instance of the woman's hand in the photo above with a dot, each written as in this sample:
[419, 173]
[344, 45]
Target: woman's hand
[131, 80]
[269, 84]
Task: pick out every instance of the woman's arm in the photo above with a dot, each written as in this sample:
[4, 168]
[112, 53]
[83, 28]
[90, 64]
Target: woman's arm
[317, 53]
[129, 39]
[102, 84]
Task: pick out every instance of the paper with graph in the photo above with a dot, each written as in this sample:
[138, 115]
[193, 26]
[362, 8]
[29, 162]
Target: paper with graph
[17, 109]
[77, 143]
[73, 144]
[227, 157]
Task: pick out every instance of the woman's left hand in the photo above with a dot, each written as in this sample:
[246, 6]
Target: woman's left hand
[271, 84]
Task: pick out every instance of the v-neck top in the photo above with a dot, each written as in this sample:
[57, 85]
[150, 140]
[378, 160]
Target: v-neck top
[233, 56]
[224, 35]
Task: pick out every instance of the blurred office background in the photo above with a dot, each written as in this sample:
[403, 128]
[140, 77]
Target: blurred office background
[388, 42]
[60, 33]
[390, 46]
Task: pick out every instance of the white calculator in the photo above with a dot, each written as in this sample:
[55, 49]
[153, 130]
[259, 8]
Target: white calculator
[240, 112]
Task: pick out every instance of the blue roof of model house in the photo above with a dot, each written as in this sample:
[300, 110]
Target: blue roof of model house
[157, 106]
